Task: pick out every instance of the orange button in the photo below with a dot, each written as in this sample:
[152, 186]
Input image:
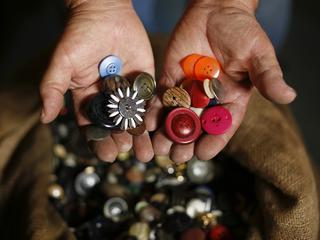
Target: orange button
[188, 64]
[206, 67]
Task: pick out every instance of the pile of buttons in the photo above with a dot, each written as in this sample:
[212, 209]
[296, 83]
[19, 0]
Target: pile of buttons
[130, 200]
[119, 106]
[196, 102]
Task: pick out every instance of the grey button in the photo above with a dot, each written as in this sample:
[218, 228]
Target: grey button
[200, 171]
[95, 133]
[145, 85]
[115, 208]
[86, 181]
[126, 108]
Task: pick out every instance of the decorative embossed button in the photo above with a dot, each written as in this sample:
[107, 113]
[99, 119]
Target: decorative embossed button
[216, 120]
[145, 85]
[176, 97]
[183, 125]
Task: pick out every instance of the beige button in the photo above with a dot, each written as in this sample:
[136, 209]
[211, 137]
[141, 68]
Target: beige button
[145, 85]
[140, 230]
[176, 97]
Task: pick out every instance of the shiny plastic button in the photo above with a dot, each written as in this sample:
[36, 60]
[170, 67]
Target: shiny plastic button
[110, 65]
[206, 67]
[176, 97]
[216, 120]
[183, 125]
[97, 112]
[145, 85]
[188, 64]
[198, 97]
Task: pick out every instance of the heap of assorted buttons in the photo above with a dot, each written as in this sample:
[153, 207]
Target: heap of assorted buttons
[196, 102]
[119, 106]
[130, 200]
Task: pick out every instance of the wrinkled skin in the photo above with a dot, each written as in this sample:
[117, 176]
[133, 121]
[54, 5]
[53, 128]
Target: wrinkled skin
[230, 33]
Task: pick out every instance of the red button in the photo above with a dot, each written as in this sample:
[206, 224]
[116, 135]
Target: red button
[216, 120]
[199, 98]
[220, 232]
[206, 67]
[188, 63]
[183, 125]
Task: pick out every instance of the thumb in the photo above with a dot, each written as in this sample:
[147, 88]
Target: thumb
[266, 75]
[54, 85]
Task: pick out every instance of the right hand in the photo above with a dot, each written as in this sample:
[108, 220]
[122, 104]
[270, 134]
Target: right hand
[97, 28]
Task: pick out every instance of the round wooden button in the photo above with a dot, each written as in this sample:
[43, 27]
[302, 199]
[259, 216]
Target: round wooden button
[206, 67]
[183, 125]
[176, 97]
[188, 63]
[216, 120]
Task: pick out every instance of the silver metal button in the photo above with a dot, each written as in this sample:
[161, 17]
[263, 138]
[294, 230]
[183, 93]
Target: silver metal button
[86, 181]
[200, 171]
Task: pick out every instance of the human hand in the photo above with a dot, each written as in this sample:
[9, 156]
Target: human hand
[229, 31]
[96, 29]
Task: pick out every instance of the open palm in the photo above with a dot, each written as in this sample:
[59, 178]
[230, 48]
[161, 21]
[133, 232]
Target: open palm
[93, 32]
[235, 38]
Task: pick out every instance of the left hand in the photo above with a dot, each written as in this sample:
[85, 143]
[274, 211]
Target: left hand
[229, 31]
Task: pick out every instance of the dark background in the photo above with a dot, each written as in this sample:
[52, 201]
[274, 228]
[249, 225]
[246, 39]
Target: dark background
[30, 30]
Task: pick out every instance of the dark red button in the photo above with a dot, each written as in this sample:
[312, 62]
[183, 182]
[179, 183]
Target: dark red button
[183, 125]
[199, 98]
[220, 232]
[216, 120]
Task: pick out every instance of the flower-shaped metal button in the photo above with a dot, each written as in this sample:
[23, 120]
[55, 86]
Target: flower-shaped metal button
[206, 67]
[183, 125]
[126, 108]
[145, 85]
[110, 65]
[176, 97]
[216, 120]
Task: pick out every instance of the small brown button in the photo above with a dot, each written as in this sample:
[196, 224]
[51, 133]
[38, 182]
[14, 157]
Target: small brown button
[112, 82]
[138, 130]
[176, 97]
[134, 175]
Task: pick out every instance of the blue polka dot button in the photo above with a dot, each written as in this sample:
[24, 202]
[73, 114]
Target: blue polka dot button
[110, 65]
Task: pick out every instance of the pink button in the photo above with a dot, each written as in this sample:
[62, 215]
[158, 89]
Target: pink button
[216, 120]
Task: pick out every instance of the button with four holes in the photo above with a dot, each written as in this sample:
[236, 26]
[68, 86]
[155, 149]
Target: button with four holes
[183, 125]
[216, 120]
[110, 65]
[206, 67]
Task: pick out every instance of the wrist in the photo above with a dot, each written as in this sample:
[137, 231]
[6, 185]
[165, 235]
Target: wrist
[246, 5]
[72, 4]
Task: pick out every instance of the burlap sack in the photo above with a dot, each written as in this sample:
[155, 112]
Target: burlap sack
[267, 144]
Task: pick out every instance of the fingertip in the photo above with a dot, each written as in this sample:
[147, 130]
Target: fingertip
[143, 147]
[52, 104]
[161, 144]
[106, 150]
[182, 153]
